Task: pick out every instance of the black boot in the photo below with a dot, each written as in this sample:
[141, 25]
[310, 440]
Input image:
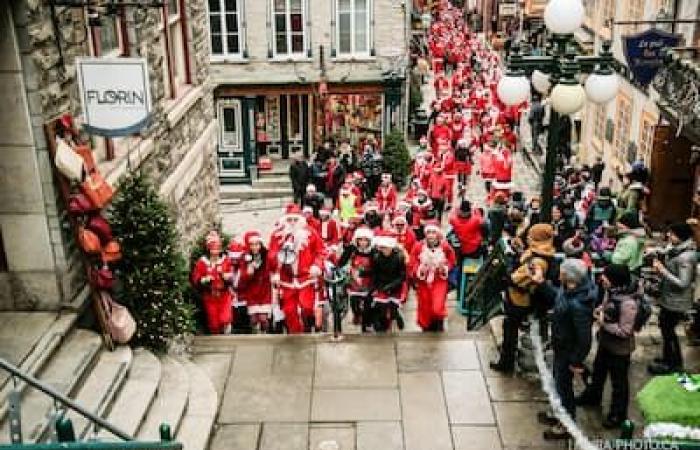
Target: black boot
[502, 367]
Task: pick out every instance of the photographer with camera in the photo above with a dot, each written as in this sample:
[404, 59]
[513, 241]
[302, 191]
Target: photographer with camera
[677, 272]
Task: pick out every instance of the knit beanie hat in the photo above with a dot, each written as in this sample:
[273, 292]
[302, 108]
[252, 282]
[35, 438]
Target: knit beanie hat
[682, 230]
[617, 274]
[574, 270]
[630, 219]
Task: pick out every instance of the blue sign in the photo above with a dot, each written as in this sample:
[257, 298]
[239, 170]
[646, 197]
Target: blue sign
[644, 52]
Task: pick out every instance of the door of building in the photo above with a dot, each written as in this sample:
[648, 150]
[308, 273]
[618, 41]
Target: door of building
[671, 178]
[232, 161]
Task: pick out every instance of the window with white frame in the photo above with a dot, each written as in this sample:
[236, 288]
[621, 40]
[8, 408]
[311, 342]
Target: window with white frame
[230, 123]
[175, 48]
[353, 26]
[289, 30]
[109, 36]
[225, 27]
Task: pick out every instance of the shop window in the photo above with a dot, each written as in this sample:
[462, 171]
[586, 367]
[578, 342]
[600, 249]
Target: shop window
[289, 30]
[225, 26]
[176, 65]
[622, 126]
[354, 117]
[353, 26]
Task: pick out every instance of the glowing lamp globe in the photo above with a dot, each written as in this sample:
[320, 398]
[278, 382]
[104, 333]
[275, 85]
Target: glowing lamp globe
[564, 16]
[513, 90]
[601, 88]
[567, 98]
[540, 81]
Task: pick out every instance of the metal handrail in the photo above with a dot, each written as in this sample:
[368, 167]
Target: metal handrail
[65, 401]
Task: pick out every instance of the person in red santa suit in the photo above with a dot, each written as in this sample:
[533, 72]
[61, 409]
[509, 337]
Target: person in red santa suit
[426, 170]
[296, 254]
[386, 195]
[241, 320]
[329, 230]
[412, 190]
[503, 171]
[313, 222]
[421, 212]
[458, 127]
[212, 276]
[254, 284]
[405, 236]
[437, 190]
[431, 261]
[449, 170]
[463, 162]
[439, 131]
[358, 255]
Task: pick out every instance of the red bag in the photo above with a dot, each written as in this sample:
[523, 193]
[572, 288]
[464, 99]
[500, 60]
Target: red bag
[98, 225]
[89, 241]
[96, 188]
[79, 204]
[111, 252]
[264, 163]
[102, 278]
[88, 159]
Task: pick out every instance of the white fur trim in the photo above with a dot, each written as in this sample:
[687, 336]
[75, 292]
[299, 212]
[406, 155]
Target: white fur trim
[502, 186]
[363, 233]
[260, 309]
[432, 228]
[384, 241]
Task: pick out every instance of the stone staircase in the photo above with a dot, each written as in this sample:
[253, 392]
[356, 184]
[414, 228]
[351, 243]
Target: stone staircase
[133, 389]
[273, 183]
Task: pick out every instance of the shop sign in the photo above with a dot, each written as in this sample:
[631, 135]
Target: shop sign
[507, 9]
[644, 52]
[115, 95]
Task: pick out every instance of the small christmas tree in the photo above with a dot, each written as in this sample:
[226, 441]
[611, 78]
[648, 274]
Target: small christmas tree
[397, 160]
[152, 272]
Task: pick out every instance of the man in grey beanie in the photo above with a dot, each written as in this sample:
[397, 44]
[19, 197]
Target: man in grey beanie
[572, 319]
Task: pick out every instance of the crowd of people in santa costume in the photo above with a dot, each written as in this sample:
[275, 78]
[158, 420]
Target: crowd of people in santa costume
[388, 242]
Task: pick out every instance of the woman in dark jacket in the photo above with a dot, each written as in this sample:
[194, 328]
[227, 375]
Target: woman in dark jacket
[615, 318]
[572, 318]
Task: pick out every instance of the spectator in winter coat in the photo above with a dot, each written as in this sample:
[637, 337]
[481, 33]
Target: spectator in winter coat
[601, 211]
[615, 318]
[313, 199]
[630, 244]
[299, 175]
[497, 216]
[571, 332]
[677, 276]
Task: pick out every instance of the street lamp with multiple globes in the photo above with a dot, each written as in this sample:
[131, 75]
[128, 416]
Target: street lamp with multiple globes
[556, 74]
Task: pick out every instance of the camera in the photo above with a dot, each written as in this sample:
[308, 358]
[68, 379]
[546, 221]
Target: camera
[650, 279]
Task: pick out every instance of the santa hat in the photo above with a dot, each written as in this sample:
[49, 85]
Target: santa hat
[292, 210]
[359, 175]
[310, 188]
[437, 169]
[359, 212]
[345, 189]
[386, 176]
[363, 232]
[371, 206]
[403, 204]
[502, 185]
[384, 239]
[307, 210]
[399, 218]
[432, 225]
[326, 211]
[423, 140]
[235, 249]
[251, 237]
[213, 241]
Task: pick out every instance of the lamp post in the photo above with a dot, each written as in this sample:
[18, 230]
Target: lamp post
[556, 73]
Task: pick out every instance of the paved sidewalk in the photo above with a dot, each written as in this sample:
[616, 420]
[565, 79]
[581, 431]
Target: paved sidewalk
[419, 392]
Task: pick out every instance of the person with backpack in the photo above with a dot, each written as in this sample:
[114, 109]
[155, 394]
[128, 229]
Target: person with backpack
[617, 323]
[601, 211]
[676, 299]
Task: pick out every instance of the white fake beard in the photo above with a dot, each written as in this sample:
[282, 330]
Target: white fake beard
[299, 235]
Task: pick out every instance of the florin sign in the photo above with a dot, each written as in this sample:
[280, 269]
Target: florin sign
[115, 95]
[644, 52]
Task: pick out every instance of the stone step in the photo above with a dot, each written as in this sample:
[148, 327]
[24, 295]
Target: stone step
[39, 355]
[273, 182]
[135, 398]
[101, 387]
[170, 402]
[245, 192]
[275, 172]
[198, 421]
[64, 372]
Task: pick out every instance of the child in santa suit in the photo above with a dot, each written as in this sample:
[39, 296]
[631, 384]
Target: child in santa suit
[358, 255]
[422, 211]
[296, 255]
[431, 261]
[212, 275]
[254, 284]
[437, 190]
[389, 286]
[329, 230]
[241, 321]
[386, 195]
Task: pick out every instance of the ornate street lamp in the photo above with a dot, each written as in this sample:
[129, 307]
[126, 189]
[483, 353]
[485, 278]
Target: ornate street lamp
[557, 74]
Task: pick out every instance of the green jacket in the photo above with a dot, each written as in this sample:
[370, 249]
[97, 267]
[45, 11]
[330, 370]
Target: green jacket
[629, 251]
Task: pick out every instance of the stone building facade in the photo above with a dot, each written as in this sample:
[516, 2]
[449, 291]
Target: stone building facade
[289, 73]
[39, 264]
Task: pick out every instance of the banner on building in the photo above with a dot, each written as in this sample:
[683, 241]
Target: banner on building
[115, 95]
[644, 52]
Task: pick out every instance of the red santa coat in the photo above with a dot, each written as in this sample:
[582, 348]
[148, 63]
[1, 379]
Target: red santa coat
[216, 294]
[430, 267]
[437, 133]
[360, 274]
[503, 166]
[437, 186]
[469, 231]
[420, 211]
[407, 240]
[386, 198]
[254, 285]
[329, 230]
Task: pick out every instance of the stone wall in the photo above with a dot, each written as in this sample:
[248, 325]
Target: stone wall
[44, 271]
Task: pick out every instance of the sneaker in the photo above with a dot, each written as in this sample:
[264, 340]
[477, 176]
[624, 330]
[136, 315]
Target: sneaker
[546, 418]
[557, 432]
